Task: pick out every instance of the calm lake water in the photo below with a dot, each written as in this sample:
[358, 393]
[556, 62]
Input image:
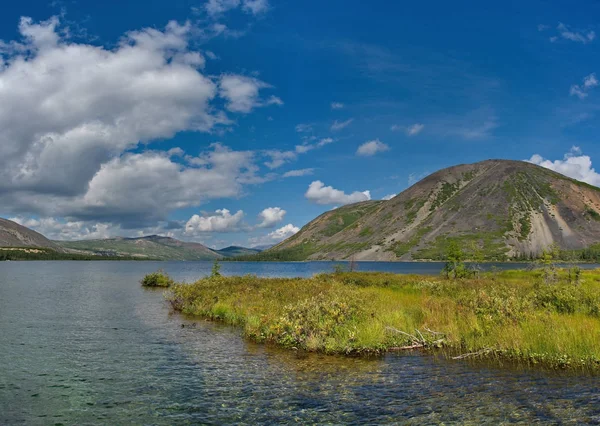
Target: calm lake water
[82, 343]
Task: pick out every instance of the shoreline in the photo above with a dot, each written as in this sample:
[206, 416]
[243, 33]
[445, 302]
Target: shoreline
[512, 317]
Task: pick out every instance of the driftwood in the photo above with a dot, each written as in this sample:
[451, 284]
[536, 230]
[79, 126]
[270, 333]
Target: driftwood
[419, 342]
[481, 352]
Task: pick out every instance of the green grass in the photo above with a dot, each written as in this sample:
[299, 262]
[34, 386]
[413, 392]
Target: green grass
[511, 315]
[157, 279]
[490, 244]
[592, 213]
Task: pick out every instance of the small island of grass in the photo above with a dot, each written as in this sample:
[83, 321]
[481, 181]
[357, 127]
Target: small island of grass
[528, 317]
[157, 279]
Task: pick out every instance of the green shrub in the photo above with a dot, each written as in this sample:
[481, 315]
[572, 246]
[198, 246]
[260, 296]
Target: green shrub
[157, 279]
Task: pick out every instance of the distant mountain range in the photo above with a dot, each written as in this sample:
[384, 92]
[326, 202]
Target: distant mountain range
[154, 247]
[13, 235]
[495, 209]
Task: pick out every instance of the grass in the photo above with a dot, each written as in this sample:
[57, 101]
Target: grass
[510, 315]
[157, 279]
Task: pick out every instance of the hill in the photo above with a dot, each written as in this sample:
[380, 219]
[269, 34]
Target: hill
[495, 209]
[13, 235]
[233, 251]
[152, 247]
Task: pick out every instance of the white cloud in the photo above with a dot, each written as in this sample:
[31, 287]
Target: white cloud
[320, 194]
[270, 216]
[412, 130]
[283, 232]
[303, 128]
[370, 148]
[574, 164]
[274, 100]
[275, 236]
[67, 230]
[254, 7]
[416, 177]
[581, 91]
[389, 197]
[242, 93]
[298, 172]
[325, 141]
[415, 129]
[575, 35]
[222, 221]
[304, 148]
[72, 112]
[279, 158]
[339, 125]
[337, 105]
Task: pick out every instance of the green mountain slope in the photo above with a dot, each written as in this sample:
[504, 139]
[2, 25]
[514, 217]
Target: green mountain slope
[496, 208]
[233, 251]
[153, 247]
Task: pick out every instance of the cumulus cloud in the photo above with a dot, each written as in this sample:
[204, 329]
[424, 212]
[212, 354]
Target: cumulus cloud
[339, 125]
[283, 232]
[275, 236]
[242, 93]
[56, 229]
[370, 148]
[389, 197]
[221, 221]
[582, 90]
[72, 113]
[320, 194]
[270, 216]
[298, 172]
[574, 164]
[337, 105]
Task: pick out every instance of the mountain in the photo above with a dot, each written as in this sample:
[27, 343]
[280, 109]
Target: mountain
[152, 246]
[496, 209]
[233, 251]
[14, 235]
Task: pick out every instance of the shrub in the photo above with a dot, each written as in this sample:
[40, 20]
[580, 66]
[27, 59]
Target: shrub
[157, 279]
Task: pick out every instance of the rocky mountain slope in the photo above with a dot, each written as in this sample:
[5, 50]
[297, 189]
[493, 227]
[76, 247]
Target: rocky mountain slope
[495, 209]
[14, 235]
[153, 246]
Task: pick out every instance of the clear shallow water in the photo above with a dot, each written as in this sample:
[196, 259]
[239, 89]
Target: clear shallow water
[82, 343]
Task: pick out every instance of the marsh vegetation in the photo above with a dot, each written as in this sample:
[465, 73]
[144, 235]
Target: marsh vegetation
[520, 316]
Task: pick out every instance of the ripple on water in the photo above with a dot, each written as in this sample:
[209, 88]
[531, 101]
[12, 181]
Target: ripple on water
[82, 343]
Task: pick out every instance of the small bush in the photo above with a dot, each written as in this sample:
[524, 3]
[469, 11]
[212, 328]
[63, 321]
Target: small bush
[157, 279]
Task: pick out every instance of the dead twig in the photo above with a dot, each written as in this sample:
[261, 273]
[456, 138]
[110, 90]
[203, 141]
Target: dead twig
[481, 352]
[418, 342]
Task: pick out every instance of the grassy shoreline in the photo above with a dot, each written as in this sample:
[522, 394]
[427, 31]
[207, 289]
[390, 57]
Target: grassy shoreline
[509, 315]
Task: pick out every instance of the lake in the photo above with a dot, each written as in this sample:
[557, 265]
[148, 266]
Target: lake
[82, 343]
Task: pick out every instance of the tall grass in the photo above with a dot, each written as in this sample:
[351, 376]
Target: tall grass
[507, 315]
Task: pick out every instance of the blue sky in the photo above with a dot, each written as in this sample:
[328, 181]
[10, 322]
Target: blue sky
[238, 121]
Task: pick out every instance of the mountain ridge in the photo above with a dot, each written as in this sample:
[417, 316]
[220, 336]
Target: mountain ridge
[502, 208]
